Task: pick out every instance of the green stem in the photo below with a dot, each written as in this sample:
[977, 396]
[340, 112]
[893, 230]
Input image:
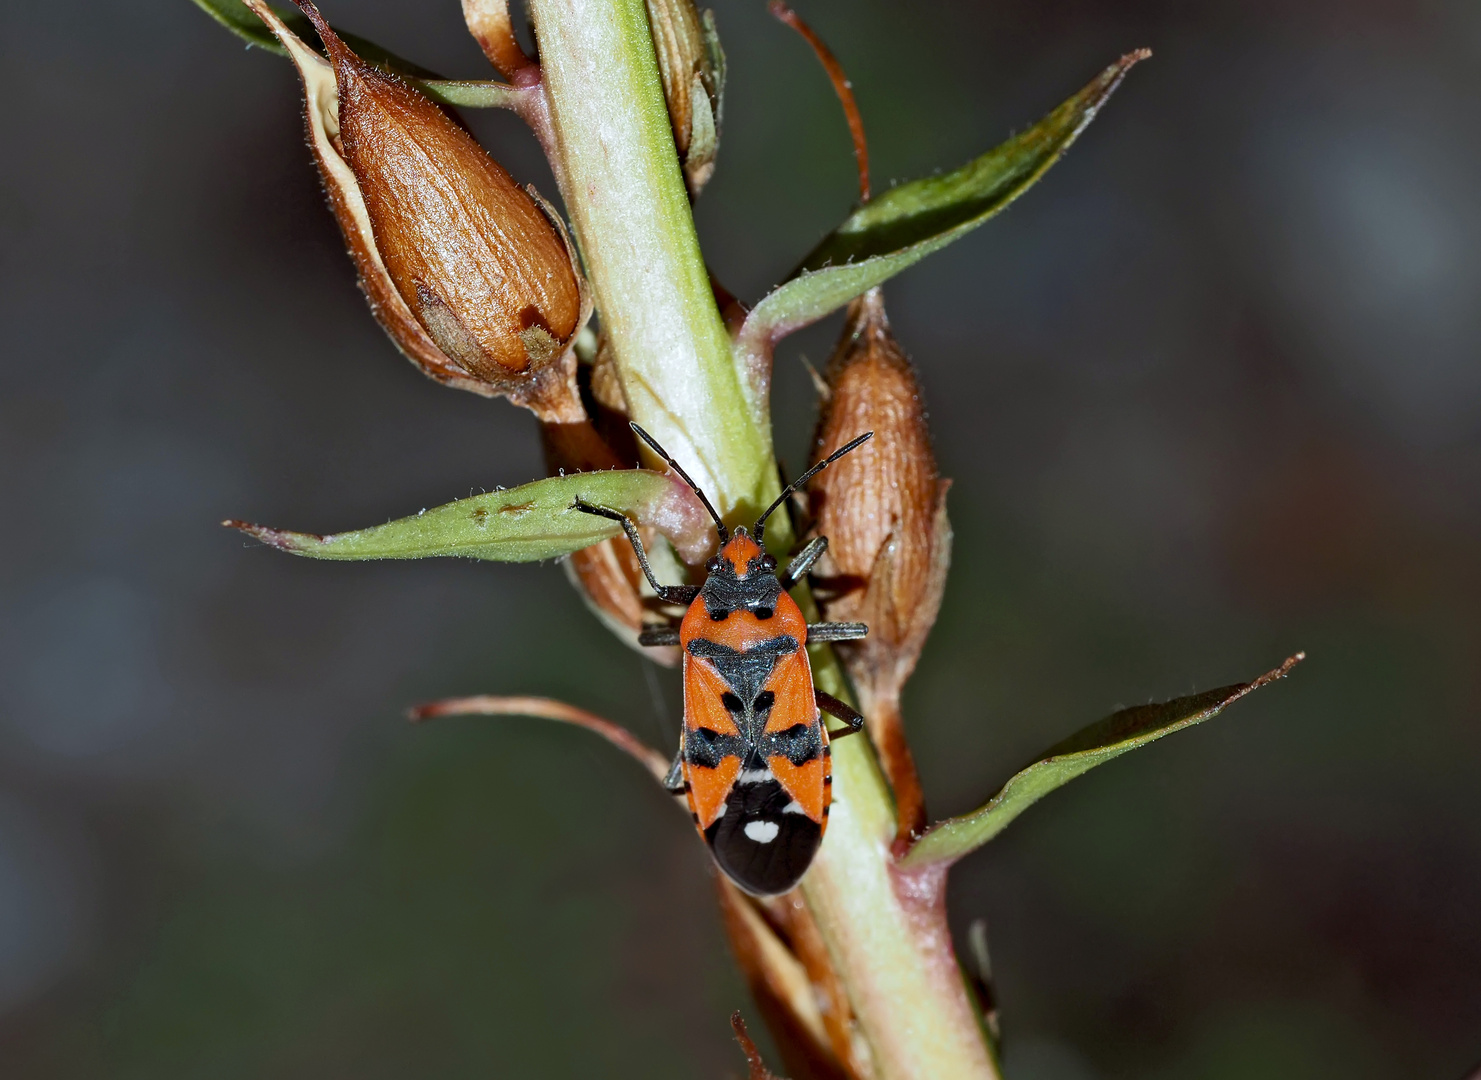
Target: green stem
[610, 136]
[887, 931]
[629, 208]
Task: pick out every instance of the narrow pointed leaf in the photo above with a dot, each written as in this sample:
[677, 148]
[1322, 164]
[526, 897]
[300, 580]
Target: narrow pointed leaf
[470, 93]
[1117, 734]
[236, 17]
[524, 524]
[909, 222]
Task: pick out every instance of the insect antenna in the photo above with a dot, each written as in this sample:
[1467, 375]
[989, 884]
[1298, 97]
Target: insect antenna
[672, 464]
[804, 478]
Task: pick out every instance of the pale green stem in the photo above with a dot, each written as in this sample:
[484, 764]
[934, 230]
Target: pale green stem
[629, 208]
[887, 931]
[610, 135]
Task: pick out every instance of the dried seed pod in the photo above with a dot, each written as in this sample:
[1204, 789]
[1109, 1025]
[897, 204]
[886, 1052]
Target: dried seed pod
[692, 67]
[471, 276]
[607, 575]
[611, 583]
[469, 250]
[883, 510]
[488, 21]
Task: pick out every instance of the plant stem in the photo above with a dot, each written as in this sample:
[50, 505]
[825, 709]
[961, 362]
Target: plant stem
[629, 208]
[886, 933]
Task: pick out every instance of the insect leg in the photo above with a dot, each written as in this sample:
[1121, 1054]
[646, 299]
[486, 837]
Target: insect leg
[803, 561]
[842, 710]
[674, 783]
[836, 631]
[673, 594]
[659, 635]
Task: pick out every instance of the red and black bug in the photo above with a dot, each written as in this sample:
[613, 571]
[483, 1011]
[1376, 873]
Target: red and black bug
[753, 758]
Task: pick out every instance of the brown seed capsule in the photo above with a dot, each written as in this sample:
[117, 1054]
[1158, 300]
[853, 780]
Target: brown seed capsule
[608, 407]
[883, 510]
[472, 278]
[607, 575]
[692, 67]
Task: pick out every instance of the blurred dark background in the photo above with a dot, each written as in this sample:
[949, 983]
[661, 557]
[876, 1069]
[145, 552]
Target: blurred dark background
[1210, 394]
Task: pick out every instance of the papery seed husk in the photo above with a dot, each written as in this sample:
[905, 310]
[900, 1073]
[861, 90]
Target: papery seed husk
[608, 407]
[691, 68]
[474, 257]
[678, 41]
[321, 114]
[883, 510]
[610, 582]
[887, 489]
[607, 575]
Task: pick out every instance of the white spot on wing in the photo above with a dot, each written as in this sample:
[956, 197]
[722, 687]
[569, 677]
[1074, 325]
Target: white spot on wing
[763, 832]
[754, 776]
[793, 807]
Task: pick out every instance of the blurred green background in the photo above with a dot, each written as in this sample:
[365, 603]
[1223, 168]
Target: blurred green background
[1210, 394]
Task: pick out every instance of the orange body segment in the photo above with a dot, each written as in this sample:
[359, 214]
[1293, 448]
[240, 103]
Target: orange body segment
[740, 551]
[708, 789]
[742, 630]
[704, 706]
[791, 682]
[806, 783]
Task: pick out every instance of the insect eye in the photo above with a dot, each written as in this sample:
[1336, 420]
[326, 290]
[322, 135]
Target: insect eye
[713, 565]
[768, 563]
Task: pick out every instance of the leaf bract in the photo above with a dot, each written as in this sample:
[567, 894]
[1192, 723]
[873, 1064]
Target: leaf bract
[525, 524]
[905, 224]
[1119, 733]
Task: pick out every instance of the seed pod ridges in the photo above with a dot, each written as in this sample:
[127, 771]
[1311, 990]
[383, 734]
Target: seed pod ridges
[883, 509]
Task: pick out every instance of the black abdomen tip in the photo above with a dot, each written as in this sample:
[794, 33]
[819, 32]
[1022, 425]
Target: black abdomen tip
[761, 846]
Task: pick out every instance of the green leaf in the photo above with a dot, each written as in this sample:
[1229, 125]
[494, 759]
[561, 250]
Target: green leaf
[1117, 734]
[470, 93]
[909, 222]
[235, 16]
[238, 18]
[524, 524]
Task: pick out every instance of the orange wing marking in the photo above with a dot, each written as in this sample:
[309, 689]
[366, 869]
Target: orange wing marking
[791, 682]
[709, 787]
[702, 706]
[804, 783]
